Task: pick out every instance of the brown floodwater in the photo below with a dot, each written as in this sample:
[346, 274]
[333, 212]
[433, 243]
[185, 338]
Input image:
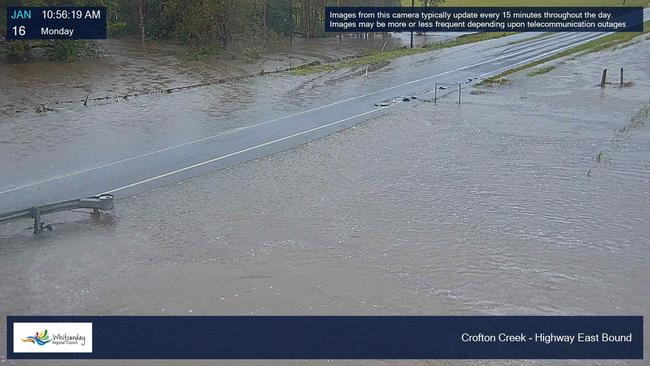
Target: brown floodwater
[127, 67]
[499, 206]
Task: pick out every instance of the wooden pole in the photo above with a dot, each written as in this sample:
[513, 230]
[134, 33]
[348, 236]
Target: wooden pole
[435, 95]
[621, 77]
[460, 89]
[603, 79]
[36, 215]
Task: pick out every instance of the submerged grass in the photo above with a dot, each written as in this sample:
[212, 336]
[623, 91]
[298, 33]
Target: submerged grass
[542, 70]
[478, 92]
[494, 81]
[378, 56]
[601, 157]
[638, 120]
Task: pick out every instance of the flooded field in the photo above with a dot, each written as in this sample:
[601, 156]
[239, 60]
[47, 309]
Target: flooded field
[531, 198]
[128, 67]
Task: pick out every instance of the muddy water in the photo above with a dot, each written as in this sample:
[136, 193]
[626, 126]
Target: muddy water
[497, 207]
[61, 136]
[128, 67]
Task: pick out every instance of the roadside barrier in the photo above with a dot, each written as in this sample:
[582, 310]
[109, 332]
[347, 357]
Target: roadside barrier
[103, 202]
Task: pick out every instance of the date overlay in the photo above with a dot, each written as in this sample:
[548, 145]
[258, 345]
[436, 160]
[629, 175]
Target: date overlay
[26, 23]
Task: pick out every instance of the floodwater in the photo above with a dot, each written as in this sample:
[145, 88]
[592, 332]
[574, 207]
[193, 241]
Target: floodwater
[128, 67]
[55, 142]
[499, 206]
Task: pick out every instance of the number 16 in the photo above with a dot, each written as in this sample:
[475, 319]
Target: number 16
[19, 31]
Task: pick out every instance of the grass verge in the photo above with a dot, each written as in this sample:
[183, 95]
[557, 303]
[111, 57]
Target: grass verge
[542, 70]
[494, 81]
[600, 44]
[378, 56]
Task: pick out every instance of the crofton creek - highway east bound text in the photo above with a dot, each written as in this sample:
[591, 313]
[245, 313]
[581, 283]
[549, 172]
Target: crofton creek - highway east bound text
[546, 338]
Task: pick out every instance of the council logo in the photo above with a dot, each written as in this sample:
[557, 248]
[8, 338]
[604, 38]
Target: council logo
[40, 338]
[53, 337]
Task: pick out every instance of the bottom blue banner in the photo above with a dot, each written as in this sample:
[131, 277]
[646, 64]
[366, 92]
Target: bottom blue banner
[325, 337]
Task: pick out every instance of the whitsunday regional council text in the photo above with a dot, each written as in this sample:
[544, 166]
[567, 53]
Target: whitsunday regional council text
[546, 338]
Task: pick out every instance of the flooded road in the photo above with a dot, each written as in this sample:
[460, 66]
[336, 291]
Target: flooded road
[143, 143]
[500, 206]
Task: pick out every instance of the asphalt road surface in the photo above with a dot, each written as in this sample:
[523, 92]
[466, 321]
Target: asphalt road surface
[133, 146]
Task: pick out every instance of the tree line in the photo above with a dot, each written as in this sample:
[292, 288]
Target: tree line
[211, 22]
[223, 21]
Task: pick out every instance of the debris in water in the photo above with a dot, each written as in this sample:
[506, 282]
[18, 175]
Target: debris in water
[42, 109]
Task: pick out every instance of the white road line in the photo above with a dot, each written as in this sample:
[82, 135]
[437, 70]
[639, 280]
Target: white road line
[107, 165]
[86, 170]
[244, 150]
[330, 124]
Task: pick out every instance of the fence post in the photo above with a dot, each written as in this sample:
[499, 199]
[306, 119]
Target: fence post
[603, 79]
[435, 94]
[621, 77]
[36, 214]
[460, 89]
